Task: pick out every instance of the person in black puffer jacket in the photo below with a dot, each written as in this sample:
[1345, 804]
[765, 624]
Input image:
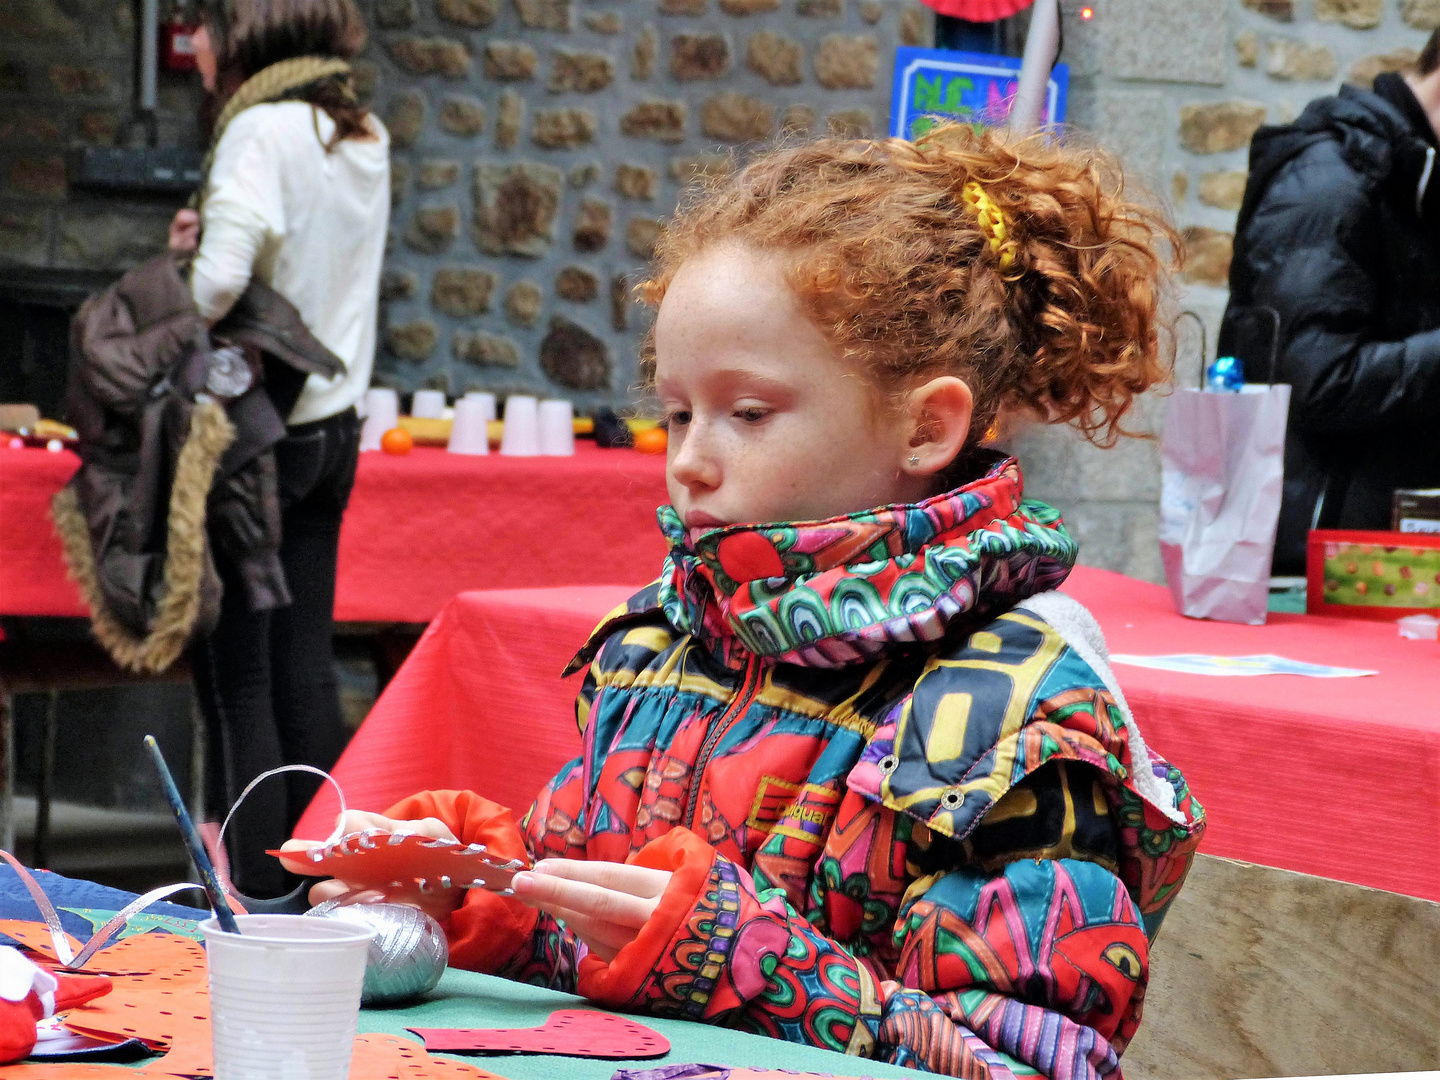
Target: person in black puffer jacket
[1337, 273]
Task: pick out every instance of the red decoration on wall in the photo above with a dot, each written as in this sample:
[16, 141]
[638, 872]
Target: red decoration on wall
[979, 10]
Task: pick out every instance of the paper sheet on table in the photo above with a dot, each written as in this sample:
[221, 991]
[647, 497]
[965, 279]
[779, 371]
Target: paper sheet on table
[1265, 664]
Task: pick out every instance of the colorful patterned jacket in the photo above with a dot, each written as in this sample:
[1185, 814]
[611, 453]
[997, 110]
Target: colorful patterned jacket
[905, 815]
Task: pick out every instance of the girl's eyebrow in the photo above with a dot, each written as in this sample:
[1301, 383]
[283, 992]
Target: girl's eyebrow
[729, 377]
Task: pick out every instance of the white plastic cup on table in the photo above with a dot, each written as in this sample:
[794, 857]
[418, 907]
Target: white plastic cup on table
[285, 996]
[522, 426]
[469, 430]
[428, 404]
[557, 428]
[382, 412]
[486, 399]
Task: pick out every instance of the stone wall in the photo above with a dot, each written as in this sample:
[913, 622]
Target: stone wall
[1177, 87]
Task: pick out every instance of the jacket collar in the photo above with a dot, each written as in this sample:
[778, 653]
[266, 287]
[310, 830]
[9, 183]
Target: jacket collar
[852, 588]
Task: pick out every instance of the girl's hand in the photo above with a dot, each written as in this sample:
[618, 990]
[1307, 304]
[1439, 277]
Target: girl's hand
[439, 905]
[184, 232]
[604, 903]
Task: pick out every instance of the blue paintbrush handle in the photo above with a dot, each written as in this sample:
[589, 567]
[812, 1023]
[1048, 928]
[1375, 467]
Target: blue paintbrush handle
[191, 837]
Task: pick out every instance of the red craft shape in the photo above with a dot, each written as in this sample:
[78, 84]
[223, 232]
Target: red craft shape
[380, 860]
[571, 1032]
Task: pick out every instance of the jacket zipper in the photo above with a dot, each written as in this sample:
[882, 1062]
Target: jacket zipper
[749, 686]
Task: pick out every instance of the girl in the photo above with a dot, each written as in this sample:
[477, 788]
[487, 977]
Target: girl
[298, 195]
[852, 776]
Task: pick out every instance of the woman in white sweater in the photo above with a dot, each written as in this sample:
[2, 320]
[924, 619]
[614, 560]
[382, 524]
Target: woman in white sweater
[298, 195]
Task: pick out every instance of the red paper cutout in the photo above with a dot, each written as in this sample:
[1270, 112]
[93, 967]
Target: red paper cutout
[571, 1032]
[379, 860]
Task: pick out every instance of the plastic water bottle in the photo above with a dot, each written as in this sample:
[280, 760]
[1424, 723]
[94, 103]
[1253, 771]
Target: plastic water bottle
[1225, 375]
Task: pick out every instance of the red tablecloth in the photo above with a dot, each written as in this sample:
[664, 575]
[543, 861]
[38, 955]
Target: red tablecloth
[420, 528]
[1334, 777]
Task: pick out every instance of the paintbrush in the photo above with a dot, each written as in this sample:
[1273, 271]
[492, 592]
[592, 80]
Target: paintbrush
[191, 837]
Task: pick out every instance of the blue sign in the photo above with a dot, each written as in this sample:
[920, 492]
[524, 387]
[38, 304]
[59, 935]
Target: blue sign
[934, 85]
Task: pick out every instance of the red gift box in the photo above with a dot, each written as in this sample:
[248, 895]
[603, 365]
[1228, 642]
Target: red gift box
[1360, 574]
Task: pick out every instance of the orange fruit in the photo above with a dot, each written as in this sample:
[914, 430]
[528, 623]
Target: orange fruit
[651, 440]
[397, 441]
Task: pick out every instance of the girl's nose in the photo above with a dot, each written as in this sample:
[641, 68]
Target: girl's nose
[692, 463]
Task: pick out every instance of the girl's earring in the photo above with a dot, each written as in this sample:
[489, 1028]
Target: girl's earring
[914, 459]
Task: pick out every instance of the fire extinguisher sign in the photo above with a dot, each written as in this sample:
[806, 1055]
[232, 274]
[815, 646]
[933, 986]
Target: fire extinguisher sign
[935, 85]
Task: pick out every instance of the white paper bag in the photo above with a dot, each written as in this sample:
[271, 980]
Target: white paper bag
[1222, 471]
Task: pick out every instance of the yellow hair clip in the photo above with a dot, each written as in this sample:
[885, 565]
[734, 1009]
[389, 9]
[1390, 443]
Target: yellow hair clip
[992, 222]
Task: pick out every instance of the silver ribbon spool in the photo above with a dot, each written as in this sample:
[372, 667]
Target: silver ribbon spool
[408, 955]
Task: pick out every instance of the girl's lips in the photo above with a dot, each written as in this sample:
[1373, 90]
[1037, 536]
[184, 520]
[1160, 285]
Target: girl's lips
[694, 521]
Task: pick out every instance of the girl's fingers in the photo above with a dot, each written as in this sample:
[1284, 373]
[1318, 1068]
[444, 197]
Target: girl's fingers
[602, 937]
[621, 877]
[594, 901]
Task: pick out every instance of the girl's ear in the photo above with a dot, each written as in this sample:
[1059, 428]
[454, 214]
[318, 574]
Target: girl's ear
[940, 412]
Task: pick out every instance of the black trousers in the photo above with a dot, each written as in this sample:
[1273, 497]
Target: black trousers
[266, 680]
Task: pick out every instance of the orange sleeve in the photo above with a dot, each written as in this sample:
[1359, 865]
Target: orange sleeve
[487, 929]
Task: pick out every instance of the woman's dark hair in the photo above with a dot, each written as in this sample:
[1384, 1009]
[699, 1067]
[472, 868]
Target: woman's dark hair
[1429, 56]
[250, 35]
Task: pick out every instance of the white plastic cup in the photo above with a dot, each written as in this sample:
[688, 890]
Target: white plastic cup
[469, 433]
[285, 996]
[428, 404]
[382, 412]
[522, 424]
[557, 428]
[486, 399]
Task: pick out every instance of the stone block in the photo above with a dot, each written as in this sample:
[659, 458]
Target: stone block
[1218, 128]
[70, 79]
[871, 11]
[45, 20]
[515, 207]
[576, 284]
[509, 60]
[1207, 256]
[399, 285]
[584, 72]
[1169, 40]
[431, 229]
[1179, 187]
[656, 118]
[508, 120]
[99, 127]
[798, 119]
[694, 57]
[1222, 189]
[431, 56]
[778, 59]
[25, 232]
[485, 350]
[544, 14]
[396, 14]
[851, 124]
[1279, 10]
[405, 118]
[1133, 125]
[1293, 61]
[741, 8]
[42, 176]
[28, 126]
[573, 357]
[642, 56]
[736, 117]
[641, 235]
[635, 181]
[365, 77]
[1362, 73]
[847, 61]
[704, 166]
[97, 238]
[476, 14]
[461, 291]
[413, 341]
[1421, 14]
[683, 7]
[584, 174]
[592, 225]
[915, 26]
[462, 116]
[399, 181]
[820, 9]
[523, 302]
[619, 302]
[1356, 14]
[604, 22]
[563, 129]
[1247, 49]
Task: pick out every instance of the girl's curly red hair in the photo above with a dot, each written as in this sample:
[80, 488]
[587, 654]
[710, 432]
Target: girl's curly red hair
[891, 263]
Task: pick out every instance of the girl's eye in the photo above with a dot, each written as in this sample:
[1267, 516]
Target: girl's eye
[752, 415]
[678, 418]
